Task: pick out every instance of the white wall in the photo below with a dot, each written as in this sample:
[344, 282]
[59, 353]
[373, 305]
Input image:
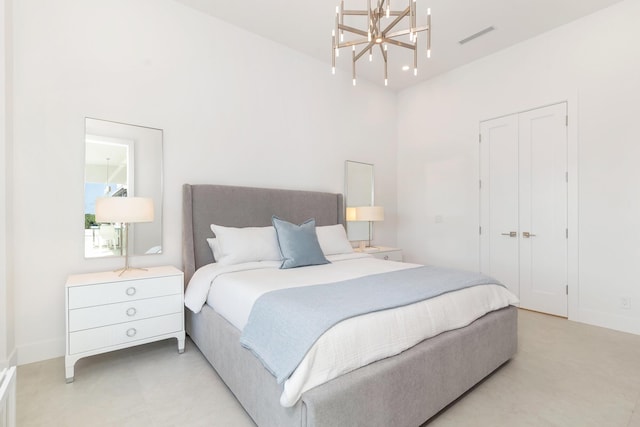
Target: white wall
[235, 109]
[7, 341]
[594, 64]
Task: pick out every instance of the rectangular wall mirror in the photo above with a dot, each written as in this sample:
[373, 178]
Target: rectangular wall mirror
[121, 160]
[358, 192]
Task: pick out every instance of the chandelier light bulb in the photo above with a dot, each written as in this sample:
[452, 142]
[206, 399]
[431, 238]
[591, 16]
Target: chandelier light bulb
[333, 70]
[354, 82]
[386, 82]
[415, 71]
[370, 57]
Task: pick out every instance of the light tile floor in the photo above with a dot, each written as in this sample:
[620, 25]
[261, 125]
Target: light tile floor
[565, 374]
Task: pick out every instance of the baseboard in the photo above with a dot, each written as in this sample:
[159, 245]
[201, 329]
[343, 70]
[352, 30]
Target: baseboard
[40, 351]
[627, 324]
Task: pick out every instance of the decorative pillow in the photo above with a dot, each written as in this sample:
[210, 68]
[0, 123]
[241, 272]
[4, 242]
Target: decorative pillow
[333, 240]
[298, 243]
[238, 245]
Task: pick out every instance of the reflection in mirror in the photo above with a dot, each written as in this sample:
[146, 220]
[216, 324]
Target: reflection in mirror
[358, 192]
[121, 160]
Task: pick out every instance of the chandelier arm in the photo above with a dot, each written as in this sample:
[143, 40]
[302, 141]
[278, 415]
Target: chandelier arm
[355, 12]
[363, 51]
[405, 32]
[399, 43]
[369, 20]
[399, 17]
[365, 13]
[353, 43]
[353, 74]
[352, 30]
[384, 53]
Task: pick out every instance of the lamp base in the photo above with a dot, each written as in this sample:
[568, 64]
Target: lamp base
[121, 271]
[364, 248]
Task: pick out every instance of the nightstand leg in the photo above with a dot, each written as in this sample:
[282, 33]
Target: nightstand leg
[181, 344]
[68, 371]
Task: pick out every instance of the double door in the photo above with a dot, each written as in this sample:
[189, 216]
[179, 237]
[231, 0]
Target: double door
[523, 205]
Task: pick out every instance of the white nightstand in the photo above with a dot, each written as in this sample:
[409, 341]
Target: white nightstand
[383, 252]
[107, 312]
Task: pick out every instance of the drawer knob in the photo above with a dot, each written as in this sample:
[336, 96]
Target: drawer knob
[386, 257]
[131, 291]
[131, 332]
[131, 311]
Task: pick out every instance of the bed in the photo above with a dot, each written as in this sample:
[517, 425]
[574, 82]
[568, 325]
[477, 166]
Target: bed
[402, 390]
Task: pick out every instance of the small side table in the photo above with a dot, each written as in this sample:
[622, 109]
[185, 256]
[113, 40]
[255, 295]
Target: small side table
[106, 312]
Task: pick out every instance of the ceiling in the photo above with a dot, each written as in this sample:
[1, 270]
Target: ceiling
[305, 25]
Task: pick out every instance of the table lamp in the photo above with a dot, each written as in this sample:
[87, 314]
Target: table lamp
[126, 210]
[370, 214]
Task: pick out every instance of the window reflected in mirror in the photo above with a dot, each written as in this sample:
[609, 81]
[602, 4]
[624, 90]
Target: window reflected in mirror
[121, 160]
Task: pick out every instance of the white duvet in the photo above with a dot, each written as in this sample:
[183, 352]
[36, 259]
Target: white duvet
[352, 343]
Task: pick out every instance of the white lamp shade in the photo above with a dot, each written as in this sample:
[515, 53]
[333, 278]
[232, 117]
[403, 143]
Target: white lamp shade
[369, 213]
[351, 214]
[124, 209]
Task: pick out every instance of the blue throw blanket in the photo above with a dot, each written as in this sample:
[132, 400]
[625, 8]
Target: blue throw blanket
[284, 324]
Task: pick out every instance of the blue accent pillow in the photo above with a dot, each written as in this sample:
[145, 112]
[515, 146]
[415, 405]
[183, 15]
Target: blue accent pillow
[298, 243]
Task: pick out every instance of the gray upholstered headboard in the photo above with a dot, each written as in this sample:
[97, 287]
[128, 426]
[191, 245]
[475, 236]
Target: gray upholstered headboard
[203, 205]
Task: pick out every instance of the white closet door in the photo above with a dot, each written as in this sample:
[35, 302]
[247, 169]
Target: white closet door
[543, 209]
[523, 165]
[499, 201]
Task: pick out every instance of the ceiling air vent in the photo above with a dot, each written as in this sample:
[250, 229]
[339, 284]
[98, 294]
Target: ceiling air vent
[476, 35]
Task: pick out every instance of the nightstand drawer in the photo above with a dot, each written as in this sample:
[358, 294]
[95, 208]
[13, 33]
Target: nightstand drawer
[127, 290]
[110, 314]
[389, 255]
[108, 336]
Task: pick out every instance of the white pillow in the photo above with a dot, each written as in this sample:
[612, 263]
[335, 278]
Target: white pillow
[333, 240]
[238, 245]
[215, 247]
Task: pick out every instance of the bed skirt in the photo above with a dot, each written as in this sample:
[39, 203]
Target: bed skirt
[403, 390]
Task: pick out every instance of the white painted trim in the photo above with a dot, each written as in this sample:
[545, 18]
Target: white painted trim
[573, 247]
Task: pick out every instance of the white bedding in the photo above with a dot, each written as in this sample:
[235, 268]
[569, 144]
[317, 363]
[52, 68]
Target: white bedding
[232, 290]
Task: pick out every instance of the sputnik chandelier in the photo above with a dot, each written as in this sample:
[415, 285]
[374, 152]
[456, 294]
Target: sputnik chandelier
[381, 29]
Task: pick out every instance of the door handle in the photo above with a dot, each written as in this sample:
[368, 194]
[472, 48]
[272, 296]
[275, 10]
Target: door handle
[526, 234]
[510, 234]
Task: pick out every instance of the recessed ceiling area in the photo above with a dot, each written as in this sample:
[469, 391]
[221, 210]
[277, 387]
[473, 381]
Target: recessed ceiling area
[306, 27]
